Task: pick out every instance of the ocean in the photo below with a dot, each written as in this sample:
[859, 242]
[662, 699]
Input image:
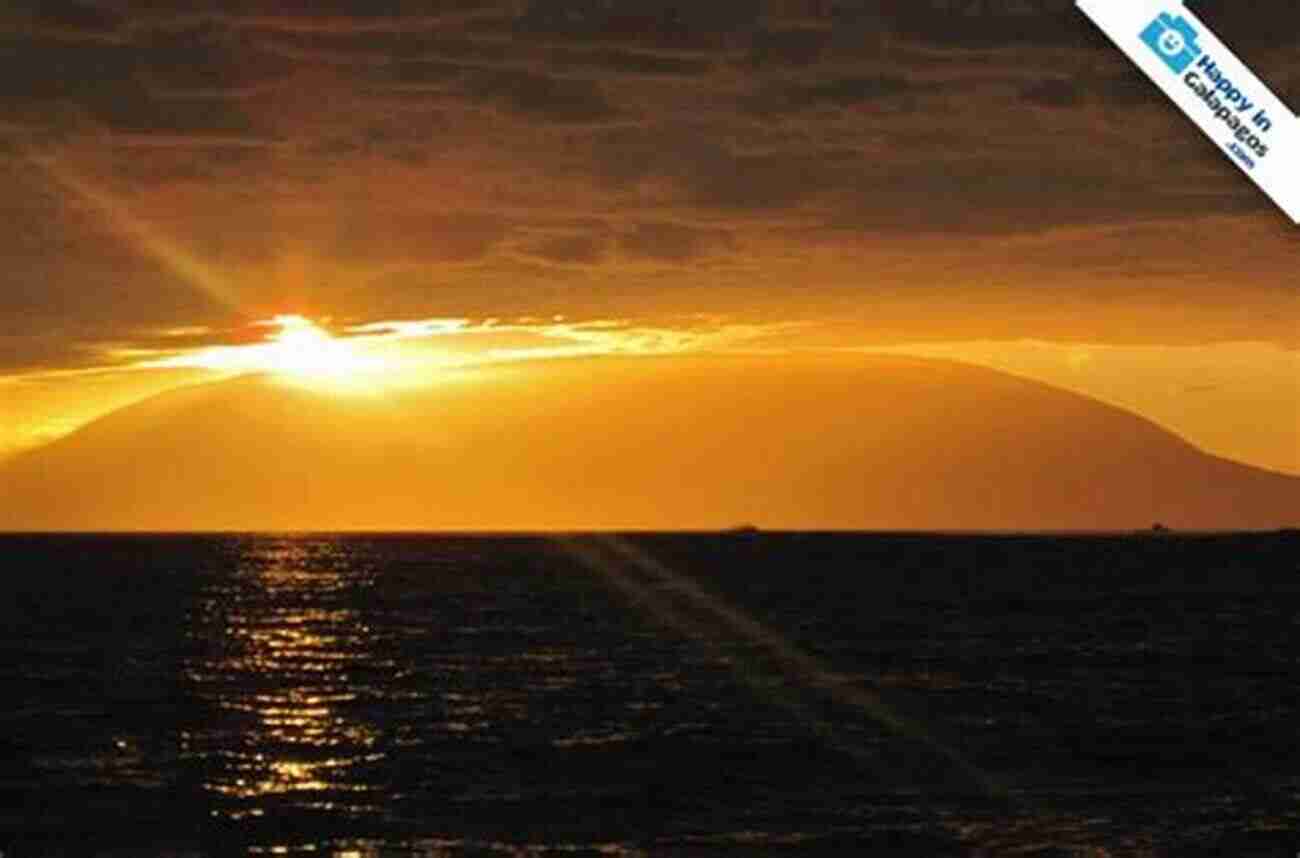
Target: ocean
[650, 694]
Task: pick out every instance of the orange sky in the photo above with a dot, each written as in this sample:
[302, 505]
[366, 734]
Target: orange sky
[754, 183]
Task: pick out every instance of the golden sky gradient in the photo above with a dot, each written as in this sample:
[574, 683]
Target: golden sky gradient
[420, 185]
[1237, 400]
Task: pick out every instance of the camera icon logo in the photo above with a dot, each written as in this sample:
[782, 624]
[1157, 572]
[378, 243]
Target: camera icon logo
[1173, 40]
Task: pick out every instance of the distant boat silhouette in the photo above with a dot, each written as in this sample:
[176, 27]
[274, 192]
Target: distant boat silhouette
[743, 529]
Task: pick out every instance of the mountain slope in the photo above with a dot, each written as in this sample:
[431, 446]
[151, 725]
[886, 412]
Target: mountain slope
[807, 442]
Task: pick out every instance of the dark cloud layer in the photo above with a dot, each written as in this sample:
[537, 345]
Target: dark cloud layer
[1053, 92]
[544, 97]
[580, 249]
[670, 242]
[494, 155]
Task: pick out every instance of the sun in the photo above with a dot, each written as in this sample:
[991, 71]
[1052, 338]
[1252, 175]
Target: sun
[302, 351]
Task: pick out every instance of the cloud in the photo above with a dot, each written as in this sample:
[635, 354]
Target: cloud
[706, 171]
[672, 23]
[580, 249]
[1052, 92]
[35, 352]
[178, 85]
[132, 109]
[1128, 88]
[1289, 91]
[668, 242]
[620, 160]
[544, 97]
[416, 74]
[429, 237]
[76, 19]
[856, 90]
[413, 43]
[1264, 23]
[241, 347]
[777, 101]
[41, 70]
[331, 19]
[626, 62]
[1037, 22]
[788, 47]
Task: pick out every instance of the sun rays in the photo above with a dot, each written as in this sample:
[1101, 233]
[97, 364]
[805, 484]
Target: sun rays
[139, 234]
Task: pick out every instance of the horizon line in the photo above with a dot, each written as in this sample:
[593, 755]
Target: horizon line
[737, 531]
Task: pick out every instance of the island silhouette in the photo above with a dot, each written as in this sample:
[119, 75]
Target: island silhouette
[781, 442]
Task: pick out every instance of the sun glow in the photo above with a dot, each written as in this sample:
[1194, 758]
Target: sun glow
[299, 352]
[303, 350]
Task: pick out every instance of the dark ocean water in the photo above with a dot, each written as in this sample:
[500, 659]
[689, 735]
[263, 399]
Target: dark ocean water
[736, 694]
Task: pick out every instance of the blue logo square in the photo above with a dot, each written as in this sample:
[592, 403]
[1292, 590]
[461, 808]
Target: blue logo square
[1173, 40]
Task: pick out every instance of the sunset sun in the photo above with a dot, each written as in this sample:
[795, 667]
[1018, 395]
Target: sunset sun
[303, 351]
[299, 352]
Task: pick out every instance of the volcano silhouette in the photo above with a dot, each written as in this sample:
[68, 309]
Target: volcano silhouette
[664, 443]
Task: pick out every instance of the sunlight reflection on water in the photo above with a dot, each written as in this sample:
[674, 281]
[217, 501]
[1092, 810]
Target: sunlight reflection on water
[282, 670]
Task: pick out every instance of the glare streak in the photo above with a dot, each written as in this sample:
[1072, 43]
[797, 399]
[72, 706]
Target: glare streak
[638, 576]
[142, 234]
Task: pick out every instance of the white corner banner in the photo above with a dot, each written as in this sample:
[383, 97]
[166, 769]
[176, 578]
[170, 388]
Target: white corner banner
[1213, 87]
